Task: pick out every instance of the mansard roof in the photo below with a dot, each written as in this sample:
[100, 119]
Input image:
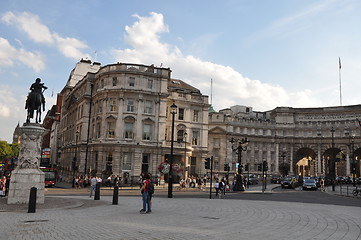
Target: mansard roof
[179, 86]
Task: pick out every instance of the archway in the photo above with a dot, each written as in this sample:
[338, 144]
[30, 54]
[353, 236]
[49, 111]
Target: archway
[305, 162]
[332, 163]
[355, 163]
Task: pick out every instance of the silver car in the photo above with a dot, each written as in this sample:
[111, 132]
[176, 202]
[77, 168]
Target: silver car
[309, 184]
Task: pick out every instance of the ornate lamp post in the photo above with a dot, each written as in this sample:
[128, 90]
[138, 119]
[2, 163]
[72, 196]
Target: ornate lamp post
[173, 111]
[74, 159]
[333, 163]
[283, 155]
[239, 145]
[185, 135]
[353, 165]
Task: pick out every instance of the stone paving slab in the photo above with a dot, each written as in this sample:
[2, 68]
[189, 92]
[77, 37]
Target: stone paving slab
[184, 218]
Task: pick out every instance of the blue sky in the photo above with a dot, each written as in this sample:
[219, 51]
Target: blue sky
[262, 54]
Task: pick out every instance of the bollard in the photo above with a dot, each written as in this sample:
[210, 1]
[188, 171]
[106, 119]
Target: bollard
[32, 200]
[97, 192]
[115, 195]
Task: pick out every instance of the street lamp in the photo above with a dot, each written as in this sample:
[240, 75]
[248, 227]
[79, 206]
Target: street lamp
[353, 166]
[173, 111]
[185, 149]
[283, 155]
[238, 146]
[333, 166]
[74, 159]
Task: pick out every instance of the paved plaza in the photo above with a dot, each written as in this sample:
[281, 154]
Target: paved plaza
[180, 218]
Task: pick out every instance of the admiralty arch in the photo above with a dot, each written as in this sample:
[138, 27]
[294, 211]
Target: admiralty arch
[293, 141]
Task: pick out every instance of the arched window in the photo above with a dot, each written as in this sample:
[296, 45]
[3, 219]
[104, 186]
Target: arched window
[129, 127]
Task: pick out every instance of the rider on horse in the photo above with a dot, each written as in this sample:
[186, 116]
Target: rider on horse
[37, 87]
[35, 100]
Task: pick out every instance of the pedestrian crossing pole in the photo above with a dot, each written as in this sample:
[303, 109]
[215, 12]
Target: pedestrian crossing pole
[210, 187]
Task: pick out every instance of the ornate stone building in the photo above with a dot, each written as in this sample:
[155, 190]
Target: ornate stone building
[115, 119]
[294, 141]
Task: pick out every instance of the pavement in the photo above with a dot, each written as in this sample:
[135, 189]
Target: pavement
[81, 217]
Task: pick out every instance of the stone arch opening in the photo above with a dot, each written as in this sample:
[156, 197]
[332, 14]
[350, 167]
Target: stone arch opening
[305, 163]
[332, 163]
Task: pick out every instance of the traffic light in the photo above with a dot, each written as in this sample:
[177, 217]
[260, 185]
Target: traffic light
[265, 166]
[225, 167]
[353, 167]
[207, 163]
[259, 167]
[246, 168]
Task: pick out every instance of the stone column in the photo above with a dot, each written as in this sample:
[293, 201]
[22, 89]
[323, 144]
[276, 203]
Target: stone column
[277, 162]
[291, 160]
[319, 162]
[27, 174]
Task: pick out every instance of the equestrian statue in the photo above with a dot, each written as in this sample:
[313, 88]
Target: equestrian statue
[35, 100]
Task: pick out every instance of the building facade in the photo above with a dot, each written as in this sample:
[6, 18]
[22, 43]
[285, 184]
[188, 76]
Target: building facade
[293, 141]
[116, 120]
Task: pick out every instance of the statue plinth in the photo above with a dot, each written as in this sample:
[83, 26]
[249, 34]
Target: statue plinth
[27, 174]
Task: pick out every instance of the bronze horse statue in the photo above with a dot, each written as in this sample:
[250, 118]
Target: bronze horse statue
[35, 100]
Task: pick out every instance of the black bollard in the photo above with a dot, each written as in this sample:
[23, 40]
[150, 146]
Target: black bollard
[115, 195]
[32, 200]
[97, 192]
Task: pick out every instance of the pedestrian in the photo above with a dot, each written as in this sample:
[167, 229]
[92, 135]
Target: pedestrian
[2, 186]
[145, 195]
[322, 183]
[7, 185]
[222, 188]
[216, 186]
[93, 184]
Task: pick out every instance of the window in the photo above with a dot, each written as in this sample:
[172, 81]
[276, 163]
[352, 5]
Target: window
[111, 129]
[113, 104]
[195, 116]
[145, 163]
[109, 162]
[115, 81]
[181, 114]
[102, 83]
[127, 161]
[97, 130]
[147, 131]
[148, 107]
[100, 109]
[129, 130]
[180, 136]
[130, 105]
[150, 84]
[195, 138]
[131, 81]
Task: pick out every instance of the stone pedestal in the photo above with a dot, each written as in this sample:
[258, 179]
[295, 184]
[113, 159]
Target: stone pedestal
[27, 174]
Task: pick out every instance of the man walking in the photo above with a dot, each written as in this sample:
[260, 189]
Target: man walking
[93, 183]
[145, 195]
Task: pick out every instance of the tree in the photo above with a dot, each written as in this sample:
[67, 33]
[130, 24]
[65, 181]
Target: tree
[8, 150]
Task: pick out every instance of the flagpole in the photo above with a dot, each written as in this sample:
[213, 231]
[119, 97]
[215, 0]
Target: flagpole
[339, 76]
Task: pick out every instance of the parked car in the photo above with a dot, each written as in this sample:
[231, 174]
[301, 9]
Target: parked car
[288, 183]
[309, 184]
[251, 180]
[276, 179]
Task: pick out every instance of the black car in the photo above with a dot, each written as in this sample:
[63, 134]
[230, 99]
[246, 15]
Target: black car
[276, 179]
[288, 183]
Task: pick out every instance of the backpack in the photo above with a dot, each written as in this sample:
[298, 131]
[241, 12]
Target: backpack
[150, 187]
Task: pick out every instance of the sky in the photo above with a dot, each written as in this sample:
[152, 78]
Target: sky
[257, 53]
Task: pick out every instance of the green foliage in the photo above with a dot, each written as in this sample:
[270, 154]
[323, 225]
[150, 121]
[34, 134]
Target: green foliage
[8, 150]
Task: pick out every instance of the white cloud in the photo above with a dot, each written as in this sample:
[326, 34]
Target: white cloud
[69, 47]
[230, 87]
[9, 55]
[40, 33]
[31, 25]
